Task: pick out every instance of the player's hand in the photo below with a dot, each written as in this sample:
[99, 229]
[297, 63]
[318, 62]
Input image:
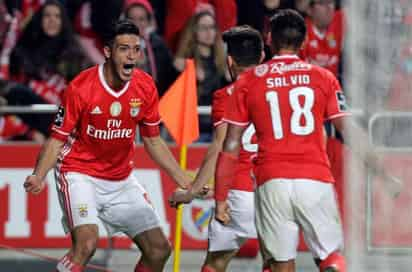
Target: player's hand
[180, 197]
[34, 184]
[222, 212]
[393, 185]
[186, 196]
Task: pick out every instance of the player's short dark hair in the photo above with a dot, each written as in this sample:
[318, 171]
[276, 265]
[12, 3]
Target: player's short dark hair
[288, 30]
[244, 45]
[120, 27]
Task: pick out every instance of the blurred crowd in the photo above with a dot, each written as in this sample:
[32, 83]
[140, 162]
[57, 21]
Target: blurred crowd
[45, 43]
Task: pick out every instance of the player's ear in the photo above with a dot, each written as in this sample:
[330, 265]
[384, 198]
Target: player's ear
[262, 56]
[230, 61]
[107, 51]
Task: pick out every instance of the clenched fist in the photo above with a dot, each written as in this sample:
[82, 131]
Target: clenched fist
[34, 184]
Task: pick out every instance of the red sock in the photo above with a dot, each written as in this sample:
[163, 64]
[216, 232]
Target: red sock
[206, 268]
[141, 268]
[266, 269]
[67, 265]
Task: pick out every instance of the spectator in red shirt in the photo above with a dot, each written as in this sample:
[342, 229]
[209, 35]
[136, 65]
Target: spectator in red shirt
[179, 12]
[324, 39]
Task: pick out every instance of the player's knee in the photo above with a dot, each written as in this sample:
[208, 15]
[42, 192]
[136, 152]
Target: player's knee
[160, 253]
[215, 263]
[86, 247]
[335, 262]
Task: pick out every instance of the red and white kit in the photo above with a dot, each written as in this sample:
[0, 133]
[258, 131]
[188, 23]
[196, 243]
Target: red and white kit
[325, 49]
[98, 126]
[241, 196]
[288, 100]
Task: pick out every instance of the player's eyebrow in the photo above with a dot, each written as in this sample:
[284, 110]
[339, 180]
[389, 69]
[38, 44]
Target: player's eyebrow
[127, 45]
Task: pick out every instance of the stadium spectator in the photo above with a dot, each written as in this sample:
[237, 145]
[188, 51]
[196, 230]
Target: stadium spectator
[324, 41]
[156, 58]
[258, 13]
[12, 127]
[46, 54]
[202, 41]
[179, 12]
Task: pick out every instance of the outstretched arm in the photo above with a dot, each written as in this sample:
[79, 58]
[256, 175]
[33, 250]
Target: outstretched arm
[45, 161]
[160, 153]
[206, 171]
[362, 148]
[225, 170]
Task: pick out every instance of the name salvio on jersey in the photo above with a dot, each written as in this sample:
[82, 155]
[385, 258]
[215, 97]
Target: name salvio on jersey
[113, 131]
[297, 85]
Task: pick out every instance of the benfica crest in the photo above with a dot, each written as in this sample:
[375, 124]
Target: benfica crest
[135, 104]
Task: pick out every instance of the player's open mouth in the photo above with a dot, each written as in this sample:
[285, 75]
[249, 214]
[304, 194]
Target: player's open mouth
[128, 68]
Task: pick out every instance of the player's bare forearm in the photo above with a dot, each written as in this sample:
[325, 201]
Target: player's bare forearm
[208, 167]
[360, 145]
[161, 154]
[47, 158]
[233, 138]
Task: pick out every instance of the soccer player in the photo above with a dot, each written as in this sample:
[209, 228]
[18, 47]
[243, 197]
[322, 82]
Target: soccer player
[287, 100]
[245, 50]
[92, 149]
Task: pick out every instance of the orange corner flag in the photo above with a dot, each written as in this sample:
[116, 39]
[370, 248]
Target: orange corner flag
[178, 107]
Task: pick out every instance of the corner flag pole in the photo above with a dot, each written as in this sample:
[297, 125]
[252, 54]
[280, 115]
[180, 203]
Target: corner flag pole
[179, 215]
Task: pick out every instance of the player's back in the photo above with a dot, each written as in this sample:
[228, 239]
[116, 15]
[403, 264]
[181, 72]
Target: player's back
[288, 100]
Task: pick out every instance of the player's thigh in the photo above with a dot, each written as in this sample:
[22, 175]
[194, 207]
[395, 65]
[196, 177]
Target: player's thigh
[128, 209]
[219, 260]
[77, 198]
[317, 212]
[223, 237]
[152, 242]
[241, 226]
[275, 219]
[242, 213]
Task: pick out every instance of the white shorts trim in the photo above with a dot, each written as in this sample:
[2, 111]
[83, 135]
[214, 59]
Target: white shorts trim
[121, 206]
[241, 227]
[283, 206]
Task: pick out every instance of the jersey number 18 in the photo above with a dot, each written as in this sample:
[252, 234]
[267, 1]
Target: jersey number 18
[299, 110]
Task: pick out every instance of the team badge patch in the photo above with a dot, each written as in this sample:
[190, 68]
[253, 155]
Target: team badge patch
[135, 104]
[331, 41]
[115, 109]
[58, 120]
[341, 101]
[83, 210]
[261, 70]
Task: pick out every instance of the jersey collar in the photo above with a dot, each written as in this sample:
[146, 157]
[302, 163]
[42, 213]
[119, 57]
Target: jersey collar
[107, 87]
[278, 57]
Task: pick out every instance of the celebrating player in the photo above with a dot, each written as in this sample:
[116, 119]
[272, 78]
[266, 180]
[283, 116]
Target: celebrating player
[92, 148]
[287, 100]
[245, 50]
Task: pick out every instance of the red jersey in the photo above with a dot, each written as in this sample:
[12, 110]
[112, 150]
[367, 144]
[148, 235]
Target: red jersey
[324, 49]
[288, 100]
[99, 124]
[242, 180]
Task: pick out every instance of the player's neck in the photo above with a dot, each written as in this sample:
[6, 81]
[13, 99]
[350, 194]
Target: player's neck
[286, 51]
[111, 79]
